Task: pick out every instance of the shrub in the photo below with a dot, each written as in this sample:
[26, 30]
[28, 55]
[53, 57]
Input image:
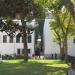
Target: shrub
[20, 56]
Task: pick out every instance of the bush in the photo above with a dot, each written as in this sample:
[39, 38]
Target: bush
[13, 56]
[7, 56]
[19, 56]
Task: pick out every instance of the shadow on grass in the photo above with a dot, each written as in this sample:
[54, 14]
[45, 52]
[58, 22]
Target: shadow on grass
[30, 68]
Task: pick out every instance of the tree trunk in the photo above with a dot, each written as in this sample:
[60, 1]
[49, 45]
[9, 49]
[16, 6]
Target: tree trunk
[65, 49]
[62, 53]
[24, 40]
[60, 50]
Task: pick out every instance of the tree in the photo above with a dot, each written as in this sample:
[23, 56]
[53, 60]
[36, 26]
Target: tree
[25, 10]
[63, 26]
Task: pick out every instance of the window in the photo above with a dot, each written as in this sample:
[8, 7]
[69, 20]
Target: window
[24, 51]
[28, 50]
[29, 39]
[18, 51]
[17, 39]
[11, 39]
[4, 38]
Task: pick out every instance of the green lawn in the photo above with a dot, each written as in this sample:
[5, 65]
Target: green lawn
[33, 67]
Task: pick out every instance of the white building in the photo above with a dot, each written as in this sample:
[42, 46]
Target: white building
[14, 45]
[51, 47]
[11, 45]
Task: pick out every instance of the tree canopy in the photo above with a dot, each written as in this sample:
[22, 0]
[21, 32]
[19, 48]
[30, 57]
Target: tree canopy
[19, 9]
[70, 5]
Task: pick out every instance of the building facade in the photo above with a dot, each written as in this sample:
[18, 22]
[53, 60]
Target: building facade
[10, 45]
[41, 40]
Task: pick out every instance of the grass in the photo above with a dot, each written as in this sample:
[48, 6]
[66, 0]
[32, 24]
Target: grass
[33, 67]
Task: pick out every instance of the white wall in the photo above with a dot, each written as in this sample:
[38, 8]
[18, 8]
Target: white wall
[49, 46]
[71, 47]
[11, 48]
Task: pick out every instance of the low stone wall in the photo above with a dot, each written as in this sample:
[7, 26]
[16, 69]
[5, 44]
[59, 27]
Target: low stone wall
[71, 59]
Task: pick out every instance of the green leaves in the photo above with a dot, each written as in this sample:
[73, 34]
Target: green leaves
[62, 25]
[21, 8]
